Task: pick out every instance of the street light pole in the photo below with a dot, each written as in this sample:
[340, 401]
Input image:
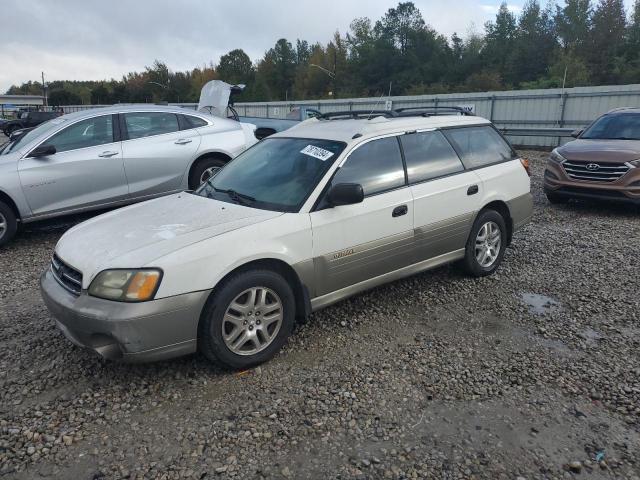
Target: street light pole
[44, 91]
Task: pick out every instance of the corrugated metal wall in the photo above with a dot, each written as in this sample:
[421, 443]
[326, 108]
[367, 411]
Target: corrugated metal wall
[571, 108]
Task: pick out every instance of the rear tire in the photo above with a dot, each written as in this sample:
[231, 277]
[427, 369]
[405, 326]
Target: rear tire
[486, 244]
[204, 169]
[8, 224]
[556, 199]
[248, 320]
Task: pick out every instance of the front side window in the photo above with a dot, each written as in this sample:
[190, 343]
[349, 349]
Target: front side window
[429, 155]
[86, 133]
[275, 174]
[39, 131]
[147, 124]
[479, 146]
[376, 165]
[615, 127]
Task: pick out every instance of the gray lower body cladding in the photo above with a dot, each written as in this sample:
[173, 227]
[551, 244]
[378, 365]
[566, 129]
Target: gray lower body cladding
[145, 331]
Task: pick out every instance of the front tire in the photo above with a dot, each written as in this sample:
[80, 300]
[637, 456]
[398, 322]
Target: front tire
[485, 247]
[8, 224]
[556, 199]
[203, 170]
[248, 320]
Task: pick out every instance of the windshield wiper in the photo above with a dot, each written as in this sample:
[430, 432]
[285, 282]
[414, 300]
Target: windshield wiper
[238, 197]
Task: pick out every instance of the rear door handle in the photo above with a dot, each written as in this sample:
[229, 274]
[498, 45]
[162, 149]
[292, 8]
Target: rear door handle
[107, 154]
[183, 141]
[399, 211]
[472, 190]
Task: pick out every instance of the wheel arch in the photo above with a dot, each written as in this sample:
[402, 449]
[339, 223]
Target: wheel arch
[503, 209]
[300, 292]
[5, 198]
[213, 154]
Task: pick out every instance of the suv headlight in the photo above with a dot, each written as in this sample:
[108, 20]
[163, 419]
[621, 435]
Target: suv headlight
[126, 285]
[636, 163]
[556, 157]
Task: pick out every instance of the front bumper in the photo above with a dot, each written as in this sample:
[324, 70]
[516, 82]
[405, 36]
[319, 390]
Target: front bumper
[133, 332]
[626, 189]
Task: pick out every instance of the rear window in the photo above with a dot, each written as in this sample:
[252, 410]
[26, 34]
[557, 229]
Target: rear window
[479, 146]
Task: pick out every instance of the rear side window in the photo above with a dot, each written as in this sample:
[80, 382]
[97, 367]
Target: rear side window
[376, 165]
[194, 122]
[429, 155]
[479, 146]
[147, 124]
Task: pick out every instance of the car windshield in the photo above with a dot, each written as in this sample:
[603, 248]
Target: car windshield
[32, 135]
[276, 174]
[624, 126]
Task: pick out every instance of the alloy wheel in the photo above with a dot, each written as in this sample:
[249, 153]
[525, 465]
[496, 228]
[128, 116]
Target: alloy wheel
[488, 244]
[252, 321]
[3, 225]
[209, 173]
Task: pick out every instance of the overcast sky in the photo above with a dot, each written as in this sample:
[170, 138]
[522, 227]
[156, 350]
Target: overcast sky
[96, 40]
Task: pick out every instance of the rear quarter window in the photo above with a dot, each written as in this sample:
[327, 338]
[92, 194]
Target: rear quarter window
[479, 146]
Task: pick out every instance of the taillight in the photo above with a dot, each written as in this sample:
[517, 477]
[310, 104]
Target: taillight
[527, 166]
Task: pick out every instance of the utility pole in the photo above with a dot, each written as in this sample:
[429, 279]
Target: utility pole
[44, 91]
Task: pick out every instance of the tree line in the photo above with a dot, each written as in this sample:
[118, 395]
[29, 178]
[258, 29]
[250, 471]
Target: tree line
[580, 42]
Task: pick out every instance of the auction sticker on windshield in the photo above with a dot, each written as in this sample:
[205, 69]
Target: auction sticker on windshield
[317, 152]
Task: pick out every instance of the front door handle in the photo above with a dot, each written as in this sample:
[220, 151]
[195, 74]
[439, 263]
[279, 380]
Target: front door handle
[107, 154]
[472, 190]
[183, 141]
[399, 211]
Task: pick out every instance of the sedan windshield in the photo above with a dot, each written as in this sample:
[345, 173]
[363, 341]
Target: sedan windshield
[621, 126]
[32, 135]
[276, 174]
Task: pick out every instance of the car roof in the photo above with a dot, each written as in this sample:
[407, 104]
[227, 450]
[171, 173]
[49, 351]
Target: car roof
[623, 110]
[137, 107]
[344, 130]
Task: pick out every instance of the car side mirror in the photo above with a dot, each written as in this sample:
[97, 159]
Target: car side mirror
[43, 151]
[577, 132]
[345, 194]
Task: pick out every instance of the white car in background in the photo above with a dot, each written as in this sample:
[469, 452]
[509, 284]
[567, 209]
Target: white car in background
[112, 156]
[305, 218]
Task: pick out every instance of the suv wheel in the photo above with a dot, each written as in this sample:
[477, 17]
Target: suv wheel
[8, 224]
[485, 247]
[203, 170]
[248, 321]
[555, 198]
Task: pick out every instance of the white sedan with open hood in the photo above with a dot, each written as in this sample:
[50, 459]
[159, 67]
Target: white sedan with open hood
[301, 220]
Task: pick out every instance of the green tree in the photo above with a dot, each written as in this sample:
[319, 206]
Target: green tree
[573, 23]
[236, 67]
[606, 40]
[499, 40]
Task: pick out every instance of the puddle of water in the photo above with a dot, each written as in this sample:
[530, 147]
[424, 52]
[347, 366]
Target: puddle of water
[540, 304]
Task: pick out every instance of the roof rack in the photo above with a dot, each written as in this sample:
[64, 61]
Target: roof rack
[356, 114]
[429, 111]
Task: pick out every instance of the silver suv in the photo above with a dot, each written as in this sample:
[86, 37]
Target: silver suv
[112, 156]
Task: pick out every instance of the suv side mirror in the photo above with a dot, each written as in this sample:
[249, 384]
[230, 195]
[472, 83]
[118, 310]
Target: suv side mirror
[577, 132]
[345, 194]
[43, 151]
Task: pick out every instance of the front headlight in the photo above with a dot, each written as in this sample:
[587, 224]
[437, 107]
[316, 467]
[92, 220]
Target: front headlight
[556, 157]
[636, 163]
[126, 285]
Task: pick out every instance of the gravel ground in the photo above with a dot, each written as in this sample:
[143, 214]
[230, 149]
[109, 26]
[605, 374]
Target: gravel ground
[531, 373]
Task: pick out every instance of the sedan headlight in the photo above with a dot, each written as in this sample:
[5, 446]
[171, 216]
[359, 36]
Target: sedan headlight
[556, 157]
[126, 285]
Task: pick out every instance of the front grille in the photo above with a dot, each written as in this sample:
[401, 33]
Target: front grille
[594, 171]
[68, 277]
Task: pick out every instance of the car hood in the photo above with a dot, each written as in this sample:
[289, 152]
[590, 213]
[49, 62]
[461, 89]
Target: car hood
[606, 151]
[135, 236]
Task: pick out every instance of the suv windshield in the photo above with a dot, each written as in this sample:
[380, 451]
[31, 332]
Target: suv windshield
[32, 135]
[621, 126]
[276, 174]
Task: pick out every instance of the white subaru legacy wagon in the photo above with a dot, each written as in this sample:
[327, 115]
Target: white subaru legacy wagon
[306, 217]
